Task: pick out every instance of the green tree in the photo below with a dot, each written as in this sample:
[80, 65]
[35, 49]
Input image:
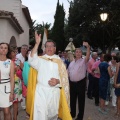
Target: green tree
[58, 27]
[84, 22]
[40, 30]
[76, 14]
[32, 32]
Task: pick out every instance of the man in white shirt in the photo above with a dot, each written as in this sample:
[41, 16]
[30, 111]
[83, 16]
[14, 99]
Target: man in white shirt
[21, 56]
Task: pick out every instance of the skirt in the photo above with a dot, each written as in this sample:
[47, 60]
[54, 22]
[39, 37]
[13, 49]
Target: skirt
[5, 90]
[17, 90]
[117, 92]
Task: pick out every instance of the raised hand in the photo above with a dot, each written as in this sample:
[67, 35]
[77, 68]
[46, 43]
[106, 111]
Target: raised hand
[86, 44]
[37, 38]
[88, 51]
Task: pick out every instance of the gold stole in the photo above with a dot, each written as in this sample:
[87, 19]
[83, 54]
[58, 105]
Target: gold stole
[64, 111]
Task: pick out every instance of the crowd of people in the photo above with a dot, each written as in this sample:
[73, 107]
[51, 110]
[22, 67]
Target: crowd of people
[104, 80]
[48, 85]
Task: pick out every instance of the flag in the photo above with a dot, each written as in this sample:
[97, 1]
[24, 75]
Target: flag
[44, 39]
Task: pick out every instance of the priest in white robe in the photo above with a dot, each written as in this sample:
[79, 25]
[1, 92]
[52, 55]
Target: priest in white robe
[47, 92]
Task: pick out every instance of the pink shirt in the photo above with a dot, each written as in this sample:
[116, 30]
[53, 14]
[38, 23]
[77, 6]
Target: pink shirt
[89, 65]
[77, 70]
[95, 67]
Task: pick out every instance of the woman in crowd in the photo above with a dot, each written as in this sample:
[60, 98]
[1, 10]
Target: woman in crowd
[117, 90]
[6, 81]
[18, 85]
[25, 72]
[105, 74]
[113, 65]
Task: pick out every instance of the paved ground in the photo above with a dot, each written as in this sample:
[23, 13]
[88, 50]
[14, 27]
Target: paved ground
[91, 112]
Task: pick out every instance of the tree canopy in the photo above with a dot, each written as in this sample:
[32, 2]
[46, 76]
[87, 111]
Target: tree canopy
[84, 23]
[40, 29]
[58, 27]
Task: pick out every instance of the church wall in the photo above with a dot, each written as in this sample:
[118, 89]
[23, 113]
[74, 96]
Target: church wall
[7, 31]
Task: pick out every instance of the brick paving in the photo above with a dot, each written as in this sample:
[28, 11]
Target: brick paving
[91, 112]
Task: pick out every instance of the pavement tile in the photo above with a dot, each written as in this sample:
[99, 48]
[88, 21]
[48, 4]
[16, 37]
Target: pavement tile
[91, 112]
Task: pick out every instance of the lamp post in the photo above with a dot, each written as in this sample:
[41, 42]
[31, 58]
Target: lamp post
[103, 17]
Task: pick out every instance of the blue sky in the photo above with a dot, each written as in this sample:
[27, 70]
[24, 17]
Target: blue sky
[44, 10]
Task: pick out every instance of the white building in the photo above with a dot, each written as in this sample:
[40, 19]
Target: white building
[15, 21]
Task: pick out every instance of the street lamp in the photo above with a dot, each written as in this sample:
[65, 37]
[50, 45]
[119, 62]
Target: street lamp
[103, 17]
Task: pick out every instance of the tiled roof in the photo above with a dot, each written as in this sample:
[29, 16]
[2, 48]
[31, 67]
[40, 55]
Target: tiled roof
[27, 14]
[11, 17]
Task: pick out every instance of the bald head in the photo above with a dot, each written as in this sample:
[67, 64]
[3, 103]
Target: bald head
[113, 54]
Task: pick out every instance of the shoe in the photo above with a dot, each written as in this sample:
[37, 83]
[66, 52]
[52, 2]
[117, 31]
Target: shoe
[102, 111]
[73, 118]
[106, 102]
[27, 116]
[117, 115]
[90, 97]
[23, 107]
[96, 104]
[58, 119]
[77, 119]
[106, 109]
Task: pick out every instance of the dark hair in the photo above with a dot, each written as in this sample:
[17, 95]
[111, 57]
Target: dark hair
[115, 58]
[7, 55]
[102, 55]
[49, 40]
[26, 56]
[11, 50]
[19, 49]
[107, 57]
[40, 51]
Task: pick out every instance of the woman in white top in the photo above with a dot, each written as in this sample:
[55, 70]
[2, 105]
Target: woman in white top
[114, 65]
[6, 81]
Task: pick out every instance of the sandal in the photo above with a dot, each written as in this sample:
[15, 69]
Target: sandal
[102, 111]
[117, 114]
[27, 116]
[107, 110]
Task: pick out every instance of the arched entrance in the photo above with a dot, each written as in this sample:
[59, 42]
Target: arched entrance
[13, 42]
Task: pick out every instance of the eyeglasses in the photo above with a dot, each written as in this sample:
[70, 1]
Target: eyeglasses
[51, 46]
[24, 48]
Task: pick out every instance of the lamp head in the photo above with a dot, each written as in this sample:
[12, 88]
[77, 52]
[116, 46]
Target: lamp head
[103, 16]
